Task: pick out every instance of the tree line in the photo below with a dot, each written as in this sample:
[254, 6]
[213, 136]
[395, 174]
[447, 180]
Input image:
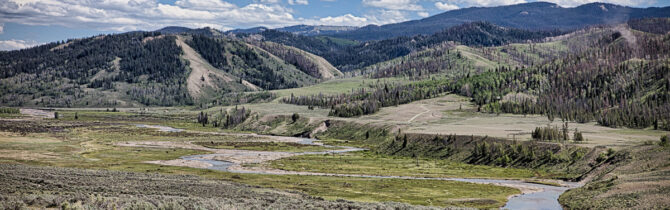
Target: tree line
[367, 101]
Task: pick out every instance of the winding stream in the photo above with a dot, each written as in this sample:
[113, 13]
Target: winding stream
[540, 197]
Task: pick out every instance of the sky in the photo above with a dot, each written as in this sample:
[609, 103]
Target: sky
[25, 23]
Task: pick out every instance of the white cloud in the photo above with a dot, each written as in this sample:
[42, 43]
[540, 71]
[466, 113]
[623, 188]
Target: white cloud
[205, 4]
[294, 2]
[408, 5]
[123, 15]
[422, 14]
[445, 6]
[347, 19]
[381, 17]
[485, 3]
[129, 15]
[2, 28]
[269, 1]
[6, 45]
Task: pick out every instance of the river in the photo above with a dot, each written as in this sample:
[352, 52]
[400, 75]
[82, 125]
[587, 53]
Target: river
[545, 197]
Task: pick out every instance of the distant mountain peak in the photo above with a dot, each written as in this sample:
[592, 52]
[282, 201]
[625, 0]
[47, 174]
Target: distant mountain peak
[308, 30]
[533, 16]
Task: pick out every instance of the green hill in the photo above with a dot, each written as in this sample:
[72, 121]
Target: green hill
[150, 69]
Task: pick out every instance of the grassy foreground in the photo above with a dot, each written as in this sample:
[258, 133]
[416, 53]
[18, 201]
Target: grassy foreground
[91, 145]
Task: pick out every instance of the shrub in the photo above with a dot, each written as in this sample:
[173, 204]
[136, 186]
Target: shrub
[601, 157]
[547, 134]
[578, 136]
[295, 117]
[664, 141]
[9, 110]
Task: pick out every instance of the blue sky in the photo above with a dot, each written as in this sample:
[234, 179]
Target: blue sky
[25, 23]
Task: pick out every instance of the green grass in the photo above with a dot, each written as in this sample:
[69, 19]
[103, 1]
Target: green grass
[419, 192]
[11, 115]
[265, 146]
[375, 164]
[335, 86]
[93, 147]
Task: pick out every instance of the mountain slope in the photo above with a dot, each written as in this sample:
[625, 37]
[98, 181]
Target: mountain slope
[309, 30]
[347, 57]
[113, 70]
[536, 15]
[258, 67]
[145, 68]
[613, 75]
[203, 76]
[307, 62]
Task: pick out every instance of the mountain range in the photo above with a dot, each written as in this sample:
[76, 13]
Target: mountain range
[533, 16]
[307, 30]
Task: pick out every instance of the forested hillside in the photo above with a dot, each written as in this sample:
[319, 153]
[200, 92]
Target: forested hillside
[148, 69]
[348, 56]
[621, 79]
[106, 70]
[615, 76]
[260, 68]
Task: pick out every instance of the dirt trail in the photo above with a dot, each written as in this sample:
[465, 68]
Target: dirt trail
[37, 113]
[423, 106]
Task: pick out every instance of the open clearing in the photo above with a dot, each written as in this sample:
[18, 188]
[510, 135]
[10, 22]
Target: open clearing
[453, 114]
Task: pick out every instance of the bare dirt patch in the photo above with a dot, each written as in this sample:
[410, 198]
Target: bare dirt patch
[202, 73]
[453, 114]
[26, 155]
[37, 113]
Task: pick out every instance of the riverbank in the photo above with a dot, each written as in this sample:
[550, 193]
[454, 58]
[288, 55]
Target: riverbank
[234, 161]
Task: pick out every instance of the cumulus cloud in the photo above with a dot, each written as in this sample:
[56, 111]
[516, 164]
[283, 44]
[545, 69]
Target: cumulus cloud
[347, 19]
[422, 14]
[408, 5]
[6, 45]
[445, 6]
[294, 2]
[381, 17]
[123, 15]
[269, 1]
[129, 15]
[205, 4]
[484, 3]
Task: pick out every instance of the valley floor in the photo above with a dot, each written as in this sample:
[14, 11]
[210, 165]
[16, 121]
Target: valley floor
[100, 146]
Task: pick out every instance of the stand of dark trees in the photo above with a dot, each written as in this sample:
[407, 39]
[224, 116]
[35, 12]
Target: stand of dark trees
[243, 61]
[367, 101]
[293, 57]
[153, 68]
[617, 81]
[224, 118]
[350, 56]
